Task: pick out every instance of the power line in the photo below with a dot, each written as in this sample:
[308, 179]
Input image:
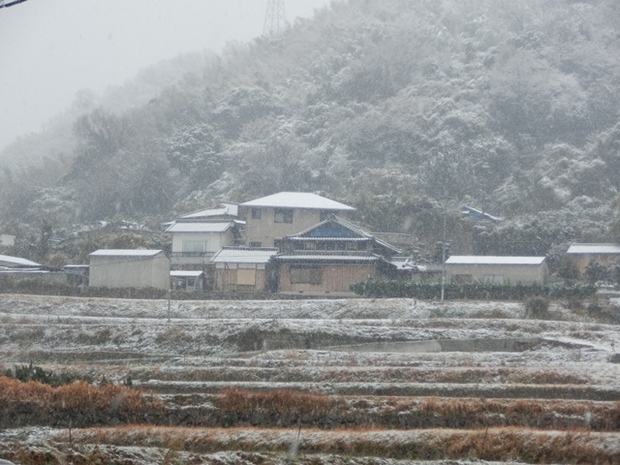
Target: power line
[6, 4]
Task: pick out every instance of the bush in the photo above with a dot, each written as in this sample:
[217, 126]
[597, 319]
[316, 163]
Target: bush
[25, 373]
[428, 291]
[537, 307]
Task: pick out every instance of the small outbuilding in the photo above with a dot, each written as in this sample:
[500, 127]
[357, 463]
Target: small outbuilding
[486, 269]
[603, 254]
[243, 269]
[187, 280]
[124, 268]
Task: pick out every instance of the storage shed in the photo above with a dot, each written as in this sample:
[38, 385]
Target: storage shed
[496, 269]
[243, 269]
[124, 268]
[603, 254]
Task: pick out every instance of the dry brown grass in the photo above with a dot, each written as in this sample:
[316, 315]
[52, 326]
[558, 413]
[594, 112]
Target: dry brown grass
[80, 403]
[504, 444]
[285, 408]
[281, 402]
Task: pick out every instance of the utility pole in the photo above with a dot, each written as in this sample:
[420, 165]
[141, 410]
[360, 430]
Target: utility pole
[443, 252]
[275, 18]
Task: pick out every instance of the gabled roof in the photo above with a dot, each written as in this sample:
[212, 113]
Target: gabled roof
[244, 255]
[406, 264]
[331, 258]
[594, 249]
[196, 227]
[306, 200]
[17, 262]
[335, 228]
[227, 209]
[478, 215]
[125, 253]
[493, 260]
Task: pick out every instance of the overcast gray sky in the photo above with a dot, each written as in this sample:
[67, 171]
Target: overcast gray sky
[50, 49]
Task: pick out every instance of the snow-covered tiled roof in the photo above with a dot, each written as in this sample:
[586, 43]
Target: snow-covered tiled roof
[318, 257]
[406, 263]
[227, 209]
[298, 200]
[331, 239]
[14, 262]
[363, 235]
[493, 260]
[194, 227]
[594, 249]
[125, 253]
[244, 255]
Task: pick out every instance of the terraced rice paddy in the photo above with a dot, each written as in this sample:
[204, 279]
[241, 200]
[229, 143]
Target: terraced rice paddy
[321, 382]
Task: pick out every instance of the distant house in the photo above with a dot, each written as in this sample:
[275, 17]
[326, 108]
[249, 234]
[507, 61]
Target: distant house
[22, 269]
[604, 254]
[496, 269]
[331, 256]
[478, 215]
[124, 268]
[14, 263]
[197, 236]
[187, 280]
[195, 243]
[243, 269]
[269, 219]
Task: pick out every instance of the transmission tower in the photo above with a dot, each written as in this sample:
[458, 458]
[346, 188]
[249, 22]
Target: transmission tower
[275, 19]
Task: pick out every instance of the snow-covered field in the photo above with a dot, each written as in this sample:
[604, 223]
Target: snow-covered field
[344, 347]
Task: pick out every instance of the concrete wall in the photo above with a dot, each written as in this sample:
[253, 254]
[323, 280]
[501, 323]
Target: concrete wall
[499, 274]
[124, 272]
[335, 278]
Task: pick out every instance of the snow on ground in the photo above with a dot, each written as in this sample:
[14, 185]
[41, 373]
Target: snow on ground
[353, 347]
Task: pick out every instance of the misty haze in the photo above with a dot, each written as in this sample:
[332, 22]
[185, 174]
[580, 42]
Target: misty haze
[357, 231]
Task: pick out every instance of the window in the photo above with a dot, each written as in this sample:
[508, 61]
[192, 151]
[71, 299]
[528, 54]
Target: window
[283, 215]
[305, 275]
[256, 213]
[194, 246]
[256, 244]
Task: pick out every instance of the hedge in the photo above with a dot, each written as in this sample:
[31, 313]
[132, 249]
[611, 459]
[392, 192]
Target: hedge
[430, 291]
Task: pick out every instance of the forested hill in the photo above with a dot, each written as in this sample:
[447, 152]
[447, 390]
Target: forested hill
[389, 105]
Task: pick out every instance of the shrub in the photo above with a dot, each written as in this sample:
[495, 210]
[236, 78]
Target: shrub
[536, 307]
[25, 373]
[82, 404]
[479, 291]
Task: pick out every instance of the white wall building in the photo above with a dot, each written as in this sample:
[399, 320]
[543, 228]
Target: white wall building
[496, 269]
[123, 268]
